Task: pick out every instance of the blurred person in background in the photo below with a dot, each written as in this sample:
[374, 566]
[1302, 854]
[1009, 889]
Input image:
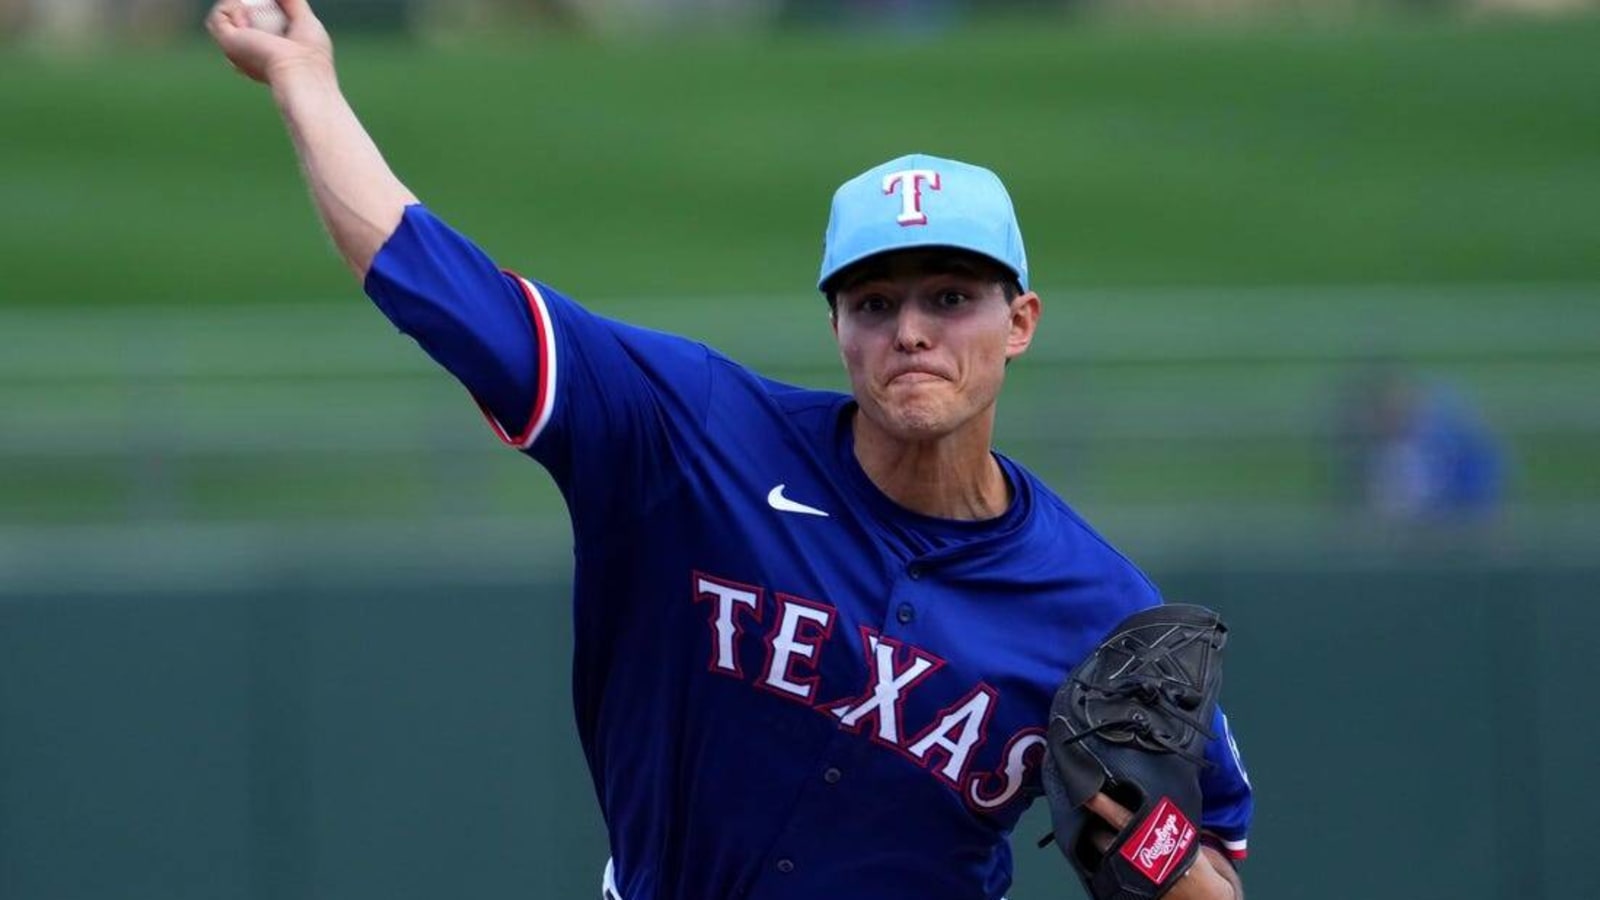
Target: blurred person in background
[14, 16]
[1417, 451]
[445, 18]
[87, 23]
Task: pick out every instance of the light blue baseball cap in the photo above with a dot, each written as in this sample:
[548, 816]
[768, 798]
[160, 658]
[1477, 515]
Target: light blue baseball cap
[922, 201]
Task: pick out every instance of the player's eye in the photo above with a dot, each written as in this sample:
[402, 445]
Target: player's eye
[951, 299]
[873, 303]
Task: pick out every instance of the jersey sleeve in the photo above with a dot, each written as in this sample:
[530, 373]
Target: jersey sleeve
[445, 293]
[621, 410]
[1225, 789]
[605, 406]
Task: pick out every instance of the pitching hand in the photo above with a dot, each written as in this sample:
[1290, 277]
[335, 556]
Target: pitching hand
[259, 55]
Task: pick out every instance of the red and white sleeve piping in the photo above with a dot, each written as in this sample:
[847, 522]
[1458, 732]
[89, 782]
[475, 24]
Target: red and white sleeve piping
[1234, 850]
[545, 392]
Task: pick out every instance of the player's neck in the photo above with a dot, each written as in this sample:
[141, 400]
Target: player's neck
[952, 477]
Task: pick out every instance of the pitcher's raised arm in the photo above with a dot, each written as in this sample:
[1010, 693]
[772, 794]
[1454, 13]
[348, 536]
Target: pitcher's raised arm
[358, 197]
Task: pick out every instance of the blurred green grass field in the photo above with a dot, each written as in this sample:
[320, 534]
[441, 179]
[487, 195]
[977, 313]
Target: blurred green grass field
[1373, 154]
[1179, 188]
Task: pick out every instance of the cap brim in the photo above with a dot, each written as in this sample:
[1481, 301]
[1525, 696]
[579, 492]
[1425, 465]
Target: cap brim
[830, 281]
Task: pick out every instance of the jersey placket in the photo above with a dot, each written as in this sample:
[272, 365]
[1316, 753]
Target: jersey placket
[816, 810]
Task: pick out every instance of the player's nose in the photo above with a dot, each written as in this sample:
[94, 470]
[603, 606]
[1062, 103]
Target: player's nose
[912, 329]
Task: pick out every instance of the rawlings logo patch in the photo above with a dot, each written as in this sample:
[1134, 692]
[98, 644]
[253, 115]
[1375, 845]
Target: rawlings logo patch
[1160, 843]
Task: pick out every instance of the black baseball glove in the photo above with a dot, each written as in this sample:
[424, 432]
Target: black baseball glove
[1132, 721]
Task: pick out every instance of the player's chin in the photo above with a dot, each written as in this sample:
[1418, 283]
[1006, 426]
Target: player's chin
[919, 419]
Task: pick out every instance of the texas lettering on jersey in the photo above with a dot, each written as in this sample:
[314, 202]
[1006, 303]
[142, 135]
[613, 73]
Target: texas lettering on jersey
[795, 632]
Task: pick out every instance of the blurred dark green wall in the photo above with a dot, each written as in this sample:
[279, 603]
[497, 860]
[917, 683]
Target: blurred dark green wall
[1414, 731]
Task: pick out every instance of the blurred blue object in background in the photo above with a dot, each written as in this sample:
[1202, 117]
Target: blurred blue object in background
[1424, 452]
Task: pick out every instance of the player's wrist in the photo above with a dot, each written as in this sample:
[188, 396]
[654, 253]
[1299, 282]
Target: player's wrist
[311, 70]
[1202, 881]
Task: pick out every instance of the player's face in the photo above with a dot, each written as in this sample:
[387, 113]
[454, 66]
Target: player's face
[925, 336]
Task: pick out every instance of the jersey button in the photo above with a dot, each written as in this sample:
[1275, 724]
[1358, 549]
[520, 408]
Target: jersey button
[905, 614]
[785, 866]
[914, 570]
[832, 776]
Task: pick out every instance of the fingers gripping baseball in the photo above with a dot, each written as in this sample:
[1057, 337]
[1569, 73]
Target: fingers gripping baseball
[258, 53]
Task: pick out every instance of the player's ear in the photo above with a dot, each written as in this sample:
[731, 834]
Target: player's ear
[1025, 311]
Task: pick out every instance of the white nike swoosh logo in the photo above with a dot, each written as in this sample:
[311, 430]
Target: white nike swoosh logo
[779, 502]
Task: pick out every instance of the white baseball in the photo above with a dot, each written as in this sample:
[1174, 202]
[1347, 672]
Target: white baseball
[266, 15]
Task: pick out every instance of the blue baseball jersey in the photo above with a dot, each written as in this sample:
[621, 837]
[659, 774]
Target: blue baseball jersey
[784, 683]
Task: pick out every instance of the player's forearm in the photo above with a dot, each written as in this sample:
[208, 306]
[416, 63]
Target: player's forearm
[357, 195]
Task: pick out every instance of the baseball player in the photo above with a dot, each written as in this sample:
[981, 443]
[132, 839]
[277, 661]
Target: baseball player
[817, 635]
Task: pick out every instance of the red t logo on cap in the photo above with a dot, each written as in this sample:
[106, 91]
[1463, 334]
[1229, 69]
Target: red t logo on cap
[911, 199]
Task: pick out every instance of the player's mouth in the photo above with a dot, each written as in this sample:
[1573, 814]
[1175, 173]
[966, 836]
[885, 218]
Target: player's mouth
[915, 376]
